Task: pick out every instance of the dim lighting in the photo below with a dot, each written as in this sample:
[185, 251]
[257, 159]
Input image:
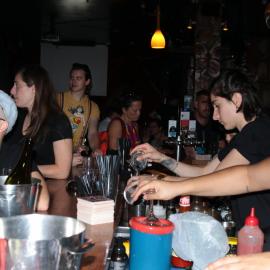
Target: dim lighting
[225, 27]
[189, 26]
[267, 15]
[158, 39]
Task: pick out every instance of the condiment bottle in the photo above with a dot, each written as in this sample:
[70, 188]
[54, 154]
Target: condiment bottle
[232, 241]
[177, 262]
[250, 237]
[184, 204]
[119, 258]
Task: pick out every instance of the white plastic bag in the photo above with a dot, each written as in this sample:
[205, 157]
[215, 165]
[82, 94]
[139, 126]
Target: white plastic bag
[199, 238]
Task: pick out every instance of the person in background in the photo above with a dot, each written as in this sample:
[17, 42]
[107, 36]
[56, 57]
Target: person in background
[126, 125]
[207, 130]
[82, 112]
[8, 116]
[231, 181]
[40, 118]
[236, 105]
[111, 113]
[155, 135]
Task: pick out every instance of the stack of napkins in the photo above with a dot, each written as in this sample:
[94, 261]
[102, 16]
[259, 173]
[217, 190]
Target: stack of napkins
[95, 209]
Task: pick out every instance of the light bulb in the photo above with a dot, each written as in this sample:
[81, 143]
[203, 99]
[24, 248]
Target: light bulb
[158, 40]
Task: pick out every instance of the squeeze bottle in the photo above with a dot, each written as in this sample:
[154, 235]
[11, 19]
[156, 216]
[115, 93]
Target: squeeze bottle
[250, 237]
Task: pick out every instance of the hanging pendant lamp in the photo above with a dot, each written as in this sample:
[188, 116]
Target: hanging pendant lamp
[158, 40]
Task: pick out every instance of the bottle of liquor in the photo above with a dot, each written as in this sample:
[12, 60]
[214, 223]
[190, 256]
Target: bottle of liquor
[196, 204]
[119, 258]
[21, 174]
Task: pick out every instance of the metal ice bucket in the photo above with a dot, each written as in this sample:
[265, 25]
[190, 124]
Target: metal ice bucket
[18, 199]
[41, 242]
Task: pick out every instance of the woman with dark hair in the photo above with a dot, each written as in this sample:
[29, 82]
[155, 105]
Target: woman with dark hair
[40, 118]
[126, 125]
[236, 105]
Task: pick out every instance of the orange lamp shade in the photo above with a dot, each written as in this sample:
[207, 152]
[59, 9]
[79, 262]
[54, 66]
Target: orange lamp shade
[158, 40]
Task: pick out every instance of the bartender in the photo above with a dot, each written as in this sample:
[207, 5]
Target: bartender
[236, 105]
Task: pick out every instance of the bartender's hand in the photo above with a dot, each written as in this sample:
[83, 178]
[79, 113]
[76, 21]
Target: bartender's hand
[153, 189]
[149, 153]
[259, 261]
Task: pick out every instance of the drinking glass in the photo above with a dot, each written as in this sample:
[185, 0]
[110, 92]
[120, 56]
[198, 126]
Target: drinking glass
[150, 219]
[128, 193]
[135, 164]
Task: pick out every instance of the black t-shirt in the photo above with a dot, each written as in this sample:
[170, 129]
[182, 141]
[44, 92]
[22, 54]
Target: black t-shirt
[254, 144]
[57, 127]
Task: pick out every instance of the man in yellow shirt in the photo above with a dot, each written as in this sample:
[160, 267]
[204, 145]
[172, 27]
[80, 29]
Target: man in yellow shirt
[82, 112]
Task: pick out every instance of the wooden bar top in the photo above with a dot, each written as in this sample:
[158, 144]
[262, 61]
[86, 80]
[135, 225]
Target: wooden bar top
[61, 203]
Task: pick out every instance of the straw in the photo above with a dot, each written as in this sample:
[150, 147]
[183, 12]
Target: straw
[109, 169]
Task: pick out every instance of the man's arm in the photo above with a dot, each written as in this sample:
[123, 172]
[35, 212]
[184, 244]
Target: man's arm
[93, 138]
[179, 168]
[231, 181]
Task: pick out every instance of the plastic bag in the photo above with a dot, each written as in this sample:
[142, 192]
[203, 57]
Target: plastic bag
[199, 238]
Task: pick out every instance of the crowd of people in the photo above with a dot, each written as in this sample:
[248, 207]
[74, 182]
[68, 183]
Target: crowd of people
[60, 124]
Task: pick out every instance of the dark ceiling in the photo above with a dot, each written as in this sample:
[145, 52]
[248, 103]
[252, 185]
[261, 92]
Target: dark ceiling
[123, 25]
[127, 22]
[132, 22]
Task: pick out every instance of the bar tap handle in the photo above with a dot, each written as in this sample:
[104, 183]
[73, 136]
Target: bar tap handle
[178, 149]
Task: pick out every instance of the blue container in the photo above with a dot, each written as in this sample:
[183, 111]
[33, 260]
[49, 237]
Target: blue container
[150, 246]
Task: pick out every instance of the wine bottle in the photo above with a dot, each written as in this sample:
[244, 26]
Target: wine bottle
[21, 173]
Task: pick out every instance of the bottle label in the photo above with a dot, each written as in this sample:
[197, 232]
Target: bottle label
[117, 265]
[184, 201]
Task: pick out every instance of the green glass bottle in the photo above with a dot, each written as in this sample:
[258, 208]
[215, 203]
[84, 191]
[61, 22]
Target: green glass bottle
[21, 173]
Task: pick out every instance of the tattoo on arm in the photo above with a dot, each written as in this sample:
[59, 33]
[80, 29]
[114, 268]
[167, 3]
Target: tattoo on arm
[170, 164]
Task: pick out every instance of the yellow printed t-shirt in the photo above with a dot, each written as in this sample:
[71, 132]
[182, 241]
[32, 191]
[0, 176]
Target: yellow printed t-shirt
[78, 113]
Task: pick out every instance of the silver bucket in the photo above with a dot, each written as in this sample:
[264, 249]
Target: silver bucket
[41, 242]
[18, 199]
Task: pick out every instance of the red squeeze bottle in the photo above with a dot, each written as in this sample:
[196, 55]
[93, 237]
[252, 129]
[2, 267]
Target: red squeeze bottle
[250, 237]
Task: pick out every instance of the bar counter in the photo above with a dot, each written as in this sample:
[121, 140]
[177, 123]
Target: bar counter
[61, 203]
